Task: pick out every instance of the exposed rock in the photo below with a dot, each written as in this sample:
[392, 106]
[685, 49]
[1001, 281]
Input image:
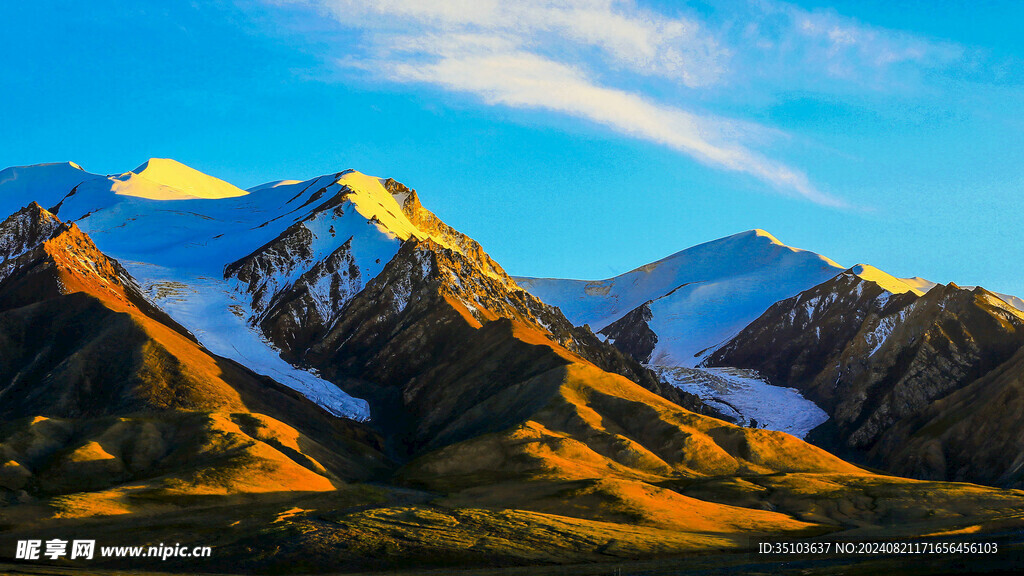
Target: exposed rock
[877, 361]
[632, 333]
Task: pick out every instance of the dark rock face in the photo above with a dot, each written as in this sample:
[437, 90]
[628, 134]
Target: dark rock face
[973, 434]
[24, 230]
[798, 339]
[301, 314]
[260, 270]
[632, 334]
[879, 363]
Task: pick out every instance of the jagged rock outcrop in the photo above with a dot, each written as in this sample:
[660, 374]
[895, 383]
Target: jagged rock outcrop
[24, 230]
[432, 339]
[632, 333]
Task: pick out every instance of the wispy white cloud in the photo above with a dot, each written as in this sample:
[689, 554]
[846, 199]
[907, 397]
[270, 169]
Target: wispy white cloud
[639, 40]
[560, 56]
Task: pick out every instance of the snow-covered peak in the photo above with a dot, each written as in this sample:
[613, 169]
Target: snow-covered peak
[166, 179]
[699, 297]
[373, 201]
[760, 233]
[884, 280]
[600, 302]
[921, 284]
[737, 251]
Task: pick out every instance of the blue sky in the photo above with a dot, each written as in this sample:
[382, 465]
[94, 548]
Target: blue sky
[579, 138]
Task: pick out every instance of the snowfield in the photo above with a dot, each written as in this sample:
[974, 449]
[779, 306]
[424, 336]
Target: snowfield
[744, 395]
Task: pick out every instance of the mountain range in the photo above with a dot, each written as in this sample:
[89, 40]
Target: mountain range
[322, 375]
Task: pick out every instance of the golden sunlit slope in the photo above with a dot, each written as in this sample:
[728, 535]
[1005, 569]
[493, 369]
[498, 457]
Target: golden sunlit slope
[606, 450]
[886, 281]
[166, 179]
[499, 408]
[598, 424]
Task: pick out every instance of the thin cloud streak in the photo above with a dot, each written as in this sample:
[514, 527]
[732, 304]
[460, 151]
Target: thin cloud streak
[548, 55]
[525, 80]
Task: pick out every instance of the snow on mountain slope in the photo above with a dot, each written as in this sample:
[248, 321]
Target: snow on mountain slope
[920, 283]
[746, 396]
[273, 184]
[208, 307]
[42, 183]
[699, 297]
[886, 281]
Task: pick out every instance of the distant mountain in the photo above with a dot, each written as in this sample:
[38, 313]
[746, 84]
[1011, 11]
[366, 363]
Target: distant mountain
[672, 311]
[885, 360]
[45, 184]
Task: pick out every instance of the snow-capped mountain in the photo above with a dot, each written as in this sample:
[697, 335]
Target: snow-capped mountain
[690, 301]
[672, 313]
[176, 229]
[260, 273]
[45, 184]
